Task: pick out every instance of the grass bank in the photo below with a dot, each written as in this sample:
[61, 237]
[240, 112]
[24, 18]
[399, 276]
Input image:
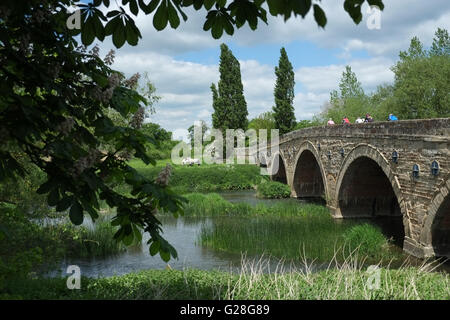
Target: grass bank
[204, 178]
[212, 205]
[348, 281]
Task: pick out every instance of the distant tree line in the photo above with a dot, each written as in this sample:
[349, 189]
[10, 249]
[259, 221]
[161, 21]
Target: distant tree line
[420, 90]
[421, 87]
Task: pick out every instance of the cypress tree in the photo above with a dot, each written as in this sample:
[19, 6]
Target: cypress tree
[284, 94]
[230, 107]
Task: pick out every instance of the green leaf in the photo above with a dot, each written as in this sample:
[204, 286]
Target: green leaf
[221, 3]
[132, 37]
[378, 3]
[198, 4]
[64, 203]
[319, 16]
[45, 187]
[99, 29]
[128, 239]
[161, 17]
[76, 213]
[154, 248]
[88, 32]
[53, 197]
[217, 28]
[275, 6]
[134, 7]
[111, 26]
[208, 4]
[119, 35]
[228, 27]
[165, 255]
[353, 7]
[150, 7]
[302, 7]
[173, 16]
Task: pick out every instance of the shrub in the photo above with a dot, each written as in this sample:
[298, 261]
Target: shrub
[206, 178]
[368, 238]
[273, 190]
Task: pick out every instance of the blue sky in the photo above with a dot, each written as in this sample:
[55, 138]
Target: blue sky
[183, 63]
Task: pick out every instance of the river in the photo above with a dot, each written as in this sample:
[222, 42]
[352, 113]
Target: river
[183, 234]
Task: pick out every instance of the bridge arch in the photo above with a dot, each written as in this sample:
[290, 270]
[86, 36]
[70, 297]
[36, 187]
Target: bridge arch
[367, 187]
[309, 179]
[435, 235]
[278, 172]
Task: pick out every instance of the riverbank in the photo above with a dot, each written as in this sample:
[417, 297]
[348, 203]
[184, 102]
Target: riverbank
[346, 282]
[204, 178]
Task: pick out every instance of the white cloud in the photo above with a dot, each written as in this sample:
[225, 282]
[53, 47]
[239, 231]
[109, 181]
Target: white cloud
[185, 86]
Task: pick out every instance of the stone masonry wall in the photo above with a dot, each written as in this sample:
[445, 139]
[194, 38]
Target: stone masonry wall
[416, 141]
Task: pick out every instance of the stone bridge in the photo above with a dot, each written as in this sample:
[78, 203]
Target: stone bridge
[392, 169]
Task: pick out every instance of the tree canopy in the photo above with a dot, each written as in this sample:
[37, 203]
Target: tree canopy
[221, 15]
[54, 97]
[284, 94]
[420, 89]
[54, 101]
[230, 107]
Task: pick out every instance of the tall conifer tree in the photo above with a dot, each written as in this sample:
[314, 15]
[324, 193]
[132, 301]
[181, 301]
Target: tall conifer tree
[230, 107]
[284, 94]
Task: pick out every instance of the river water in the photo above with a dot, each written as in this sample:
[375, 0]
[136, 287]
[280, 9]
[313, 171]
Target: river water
[183, 234]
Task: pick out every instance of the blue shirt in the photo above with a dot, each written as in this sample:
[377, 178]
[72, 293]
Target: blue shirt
[393, 118]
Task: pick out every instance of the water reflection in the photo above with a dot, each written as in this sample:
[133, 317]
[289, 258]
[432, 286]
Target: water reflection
[183, 234]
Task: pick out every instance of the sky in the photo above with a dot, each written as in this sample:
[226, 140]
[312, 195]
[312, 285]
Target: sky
[182, 63]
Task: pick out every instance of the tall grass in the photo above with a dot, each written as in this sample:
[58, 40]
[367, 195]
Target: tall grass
[344, 279]
[315, 237]
[284, 238]
[212, 205]
[284, 230]
[347, 280]
[203, 178]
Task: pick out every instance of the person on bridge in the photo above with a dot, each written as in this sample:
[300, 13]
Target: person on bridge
[345, 120]
[392, 117]
[359, 120]
[330, 122]
[368, 118]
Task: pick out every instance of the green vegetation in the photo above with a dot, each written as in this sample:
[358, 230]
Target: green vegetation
[273, 190]
[420, 89]
[284, 230]
[162, 145]
[283, 110]
[206, 177]
[29, 245]
[347, 282]
[213, 205]
[367, 238]
[230, 107]
[59, 109]
[265, 121]
[21, 192]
